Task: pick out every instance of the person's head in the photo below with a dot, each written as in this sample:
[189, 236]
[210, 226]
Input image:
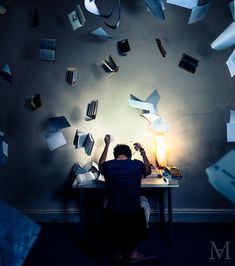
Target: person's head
[122, 149]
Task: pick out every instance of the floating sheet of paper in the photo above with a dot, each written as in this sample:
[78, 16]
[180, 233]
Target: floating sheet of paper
[232, 9]
[232, 116]
[149, 107]
[231, 63]
[231, 132]
[100, 32]
[160, 125]
[222, 175]
[225, 39]
[17, 235]
[156, 7]
[183, 3]
[55, 139]
[198, 13]
[59, 122]
[231, 127]
[6, 73]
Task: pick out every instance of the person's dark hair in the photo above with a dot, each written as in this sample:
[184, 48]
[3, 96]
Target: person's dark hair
[122, 149]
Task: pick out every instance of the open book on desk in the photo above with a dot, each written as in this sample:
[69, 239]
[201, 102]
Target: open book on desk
[87, 175]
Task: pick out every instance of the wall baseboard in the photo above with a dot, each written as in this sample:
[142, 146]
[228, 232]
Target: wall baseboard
[179, 215]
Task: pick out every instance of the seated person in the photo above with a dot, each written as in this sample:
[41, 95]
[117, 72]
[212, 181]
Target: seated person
[123, 179]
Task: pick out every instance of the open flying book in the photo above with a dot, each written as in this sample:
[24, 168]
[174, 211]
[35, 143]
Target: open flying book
[76, 18]
[83, 140]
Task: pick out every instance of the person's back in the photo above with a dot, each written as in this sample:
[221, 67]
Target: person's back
[123, 180]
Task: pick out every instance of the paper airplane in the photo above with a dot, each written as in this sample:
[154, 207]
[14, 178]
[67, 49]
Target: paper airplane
[222, 175]
[198, 13]
[183, 3]
[225, 39]
[100, 32]
[150, 111]
[55, 139]
[6, 73]
[156, 7]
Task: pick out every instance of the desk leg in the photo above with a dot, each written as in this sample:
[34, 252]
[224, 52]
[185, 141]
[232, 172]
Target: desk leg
[162, 208]
[82, 210]
[170, 215]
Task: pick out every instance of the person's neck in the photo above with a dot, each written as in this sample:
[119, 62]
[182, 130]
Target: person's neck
[122, 157]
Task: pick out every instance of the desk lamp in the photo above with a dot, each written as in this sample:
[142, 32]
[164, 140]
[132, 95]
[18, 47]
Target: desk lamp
[161, 151]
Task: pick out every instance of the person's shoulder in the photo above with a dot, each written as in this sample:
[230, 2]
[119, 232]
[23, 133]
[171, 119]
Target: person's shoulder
[138, 162]
[109, 162]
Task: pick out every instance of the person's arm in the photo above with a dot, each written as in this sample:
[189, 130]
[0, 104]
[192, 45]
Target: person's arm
[147, 164]
[105, 151]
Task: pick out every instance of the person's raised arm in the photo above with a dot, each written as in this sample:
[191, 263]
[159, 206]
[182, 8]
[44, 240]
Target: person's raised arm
[147, 164]
[103, 156]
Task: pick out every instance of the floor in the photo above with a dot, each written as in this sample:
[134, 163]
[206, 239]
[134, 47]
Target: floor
[193, 244]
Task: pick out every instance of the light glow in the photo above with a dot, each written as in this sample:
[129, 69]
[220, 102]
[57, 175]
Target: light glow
[161, 150]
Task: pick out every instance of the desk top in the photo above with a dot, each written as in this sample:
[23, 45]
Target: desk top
[148, 182]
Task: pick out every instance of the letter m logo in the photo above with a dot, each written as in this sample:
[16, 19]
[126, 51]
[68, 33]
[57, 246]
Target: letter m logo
[216, 253]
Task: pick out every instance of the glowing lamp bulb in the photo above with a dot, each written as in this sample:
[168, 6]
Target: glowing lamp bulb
[161, 150]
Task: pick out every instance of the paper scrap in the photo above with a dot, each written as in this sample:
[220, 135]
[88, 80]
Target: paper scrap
[198, 13]
[100, 32]
[183, 3]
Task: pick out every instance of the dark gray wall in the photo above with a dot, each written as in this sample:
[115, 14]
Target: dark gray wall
[197, 106]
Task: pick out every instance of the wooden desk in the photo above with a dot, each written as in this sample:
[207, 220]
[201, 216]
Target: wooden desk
[146, 183]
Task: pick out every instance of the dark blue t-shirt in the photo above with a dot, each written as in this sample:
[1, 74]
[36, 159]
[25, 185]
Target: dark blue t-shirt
[123, 180]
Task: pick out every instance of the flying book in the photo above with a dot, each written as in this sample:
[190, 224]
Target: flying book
[110, 66]
[91, 110]
[59, 122]
[35, 18]
[123, 46]
[3, 9]
[77, 18]
[161, 48]
[83, 140]
[100, 32]
[47, 49]
[71, 75]
[35, 102]
[188, 63]
[3, 149]
[231, 127]
[55, 139]
[6, 74]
